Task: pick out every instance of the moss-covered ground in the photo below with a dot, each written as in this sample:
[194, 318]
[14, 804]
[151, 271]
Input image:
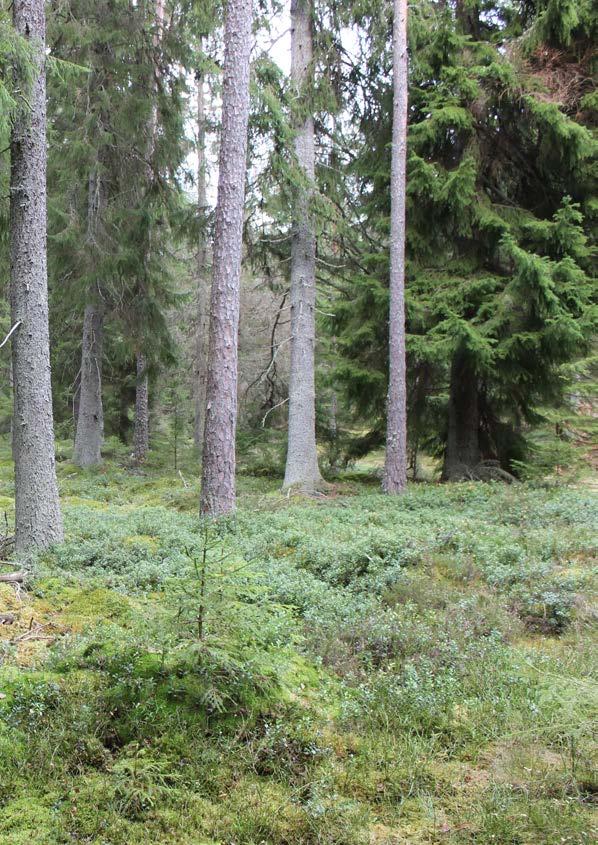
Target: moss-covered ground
[348, 669]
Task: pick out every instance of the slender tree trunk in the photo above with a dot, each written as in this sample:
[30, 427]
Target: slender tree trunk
[203, 297]
[333, 425]
[302, 469]
[76, 397]
[38, 521]
[395, 466]
[126, 398]
[90, 413]
[141, 432]
[90, 417]
[218, 468]
[141, 429]
[153, 124]
[462, 448]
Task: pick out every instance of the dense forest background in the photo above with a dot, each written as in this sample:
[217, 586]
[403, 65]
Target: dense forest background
[501, 205]
[298, 438]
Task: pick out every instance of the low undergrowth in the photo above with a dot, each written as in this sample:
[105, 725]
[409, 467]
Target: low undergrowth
[352, 669]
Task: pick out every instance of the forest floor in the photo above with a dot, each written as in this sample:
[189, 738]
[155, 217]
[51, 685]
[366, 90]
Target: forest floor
[348, 669]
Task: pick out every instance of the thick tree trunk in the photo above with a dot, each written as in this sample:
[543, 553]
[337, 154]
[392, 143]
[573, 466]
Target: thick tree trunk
[462, 448]
[90, 417]
[38, 521]
[218, 468]
[203, 293]
[302, 469]
[395, 466]
[141, 432]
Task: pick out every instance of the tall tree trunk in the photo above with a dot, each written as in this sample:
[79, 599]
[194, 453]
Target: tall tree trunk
[218, 467]
[90, 417]
[395, 465]
[203, 297]
[462, 448]
[302, 469]
[141, 431]
[38, 521]
[90, 413]
[141, 427]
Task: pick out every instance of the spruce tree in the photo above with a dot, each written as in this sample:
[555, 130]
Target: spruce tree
[90, 410]
[302, 458]
[100, 248]
[38, 521]
[89, 419]
[495, 169]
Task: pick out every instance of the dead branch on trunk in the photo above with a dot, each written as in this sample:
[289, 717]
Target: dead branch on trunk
[7, 338]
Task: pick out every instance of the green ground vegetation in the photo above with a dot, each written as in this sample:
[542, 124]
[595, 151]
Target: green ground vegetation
[347, 669]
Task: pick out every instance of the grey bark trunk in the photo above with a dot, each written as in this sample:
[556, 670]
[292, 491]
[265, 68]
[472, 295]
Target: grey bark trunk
[90, 413]
[141, 427]
[203, 294]
[395, 465]
[11, 383]
[38, 521]
[302, 469]
[77, 384]
[462, 448]
[218, 467]
[90, 417]
[141, 431]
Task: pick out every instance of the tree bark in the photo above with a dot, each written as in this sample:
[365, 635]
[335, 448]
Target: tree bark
[76, 396]
[218, 467]
[302, 469]
[38, 521]
[395, 466]
[141, 431]
[462, 453]
[203, 297]
[90, 417]
[126, 397]
[90, 413]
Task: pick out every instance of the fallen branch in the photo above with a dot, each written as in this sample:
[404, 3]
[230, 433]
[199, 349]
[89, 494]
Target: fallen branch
[34, 633]
[12, 578]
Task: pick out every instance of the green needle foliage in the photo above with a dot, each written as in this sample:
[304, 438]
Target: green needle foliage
[101, 140]
[500, 205]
